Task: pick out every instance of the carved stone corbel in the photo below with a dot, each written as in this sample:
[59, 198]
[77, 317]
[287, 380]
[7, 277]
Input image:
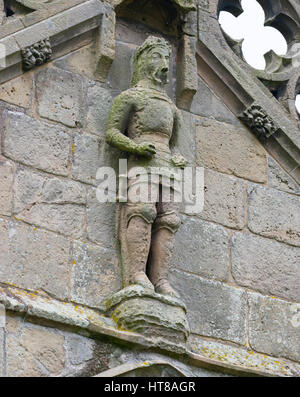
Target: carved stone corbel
[36, 54]
[256, 118]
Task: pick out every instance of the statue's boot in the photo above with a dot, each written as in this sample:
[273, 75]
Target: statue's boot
[162, 247]
[138, 244]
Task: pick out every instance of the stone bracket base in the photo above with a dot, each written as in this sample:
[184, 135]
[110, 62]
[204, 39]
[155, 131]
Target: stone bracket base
[153, 315]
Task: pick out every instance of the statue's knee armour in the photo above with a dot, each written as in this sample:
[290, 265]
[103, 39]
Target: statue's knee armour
[146, 211]
[170, 221]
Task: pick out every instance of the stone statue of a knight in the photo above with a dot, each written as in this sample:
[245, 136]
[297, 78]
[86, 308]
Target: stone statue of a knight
[145, 123]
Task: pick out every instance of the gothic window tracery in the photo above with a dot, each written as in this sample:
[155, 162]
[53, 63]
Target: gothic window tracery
[278, 67]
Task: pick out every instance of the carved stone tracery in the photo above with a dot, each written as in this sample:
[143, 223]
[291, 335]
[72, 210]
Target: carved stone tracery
[279, 74]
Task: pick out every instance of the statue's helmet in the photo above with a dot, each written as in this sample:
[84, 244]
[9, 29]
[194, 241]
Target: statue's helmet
[142, 58]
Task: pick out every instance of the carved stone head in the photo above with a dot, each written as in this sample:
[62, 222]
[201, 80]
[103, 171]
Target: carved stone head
[151, 61]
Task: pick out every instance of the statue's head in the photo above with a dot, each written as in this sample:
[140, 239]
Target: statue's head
[151, 61]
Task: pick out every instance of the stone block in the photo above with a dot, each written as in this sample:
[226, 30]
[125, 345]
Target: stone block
[274, 326]
[6, 182]
[99, 104]
[186, 140]
[18, 91]
[28, 187]
[230, 149]
[279, 179]
[34, 351]
[95, 274]
[206, 253]
[31, 187]
[214, 309]
[67, 219]
[101, 221]
[34, 259]
[35, 143]
[86, 158]
[206, 104]
[63, 191]
[79, 349]
[274, 214]
[266, 266]
[81, 61]
[61, 96]
[90, 153]
[53, 203]
[120, 73]
[223, 200]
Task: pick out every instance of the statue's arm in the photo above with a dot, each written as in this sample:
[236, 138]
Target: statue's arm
[177, 159]
[119, 117]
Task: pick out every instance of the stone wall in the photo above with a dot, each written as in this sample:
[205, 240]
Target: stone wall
[236, 265]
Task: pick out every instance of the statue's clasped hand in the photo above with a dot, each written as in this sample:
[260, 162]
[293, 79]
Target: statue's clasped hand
[146, 149]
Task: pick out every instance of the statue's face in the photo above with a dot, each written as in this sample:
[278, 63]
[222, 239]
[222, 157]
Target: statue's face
[158, 60]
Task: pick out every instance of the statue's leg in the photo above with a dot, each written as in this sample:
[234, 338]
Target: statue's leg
[162, 246]
[138, 238]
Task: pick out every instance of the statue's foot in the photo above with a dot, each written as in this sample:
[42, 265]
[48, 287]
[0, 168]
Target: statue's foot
[165, 288]
[143, 280]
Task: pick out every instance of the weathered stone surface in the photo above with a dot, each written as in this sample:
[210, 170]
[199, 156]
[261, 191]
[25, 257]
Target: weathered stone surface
[18, 91]
[231, 150]
[241, 357]
[101, 219]
[206, 253]
[60, 96]
[81, 61]
[6, 182]
[279, 179]
[79, 349]
[266, 266]
[31, 187]
[67, 219]
[63, 191]
[87, 158]
[99, 104]
[214, 309]
[34, 351]
[34, 259]
[206, 104]
[137, 309]
[28, 187]
[95, 274]
[53, 203]
[121, 69]
[274, 214]
[274, 326]
[223, 200]
[35, 143]
[186, 140]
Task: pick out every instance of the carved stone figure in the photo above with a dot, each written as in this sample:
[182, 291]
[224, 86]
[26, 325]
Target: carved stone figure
[145, 123]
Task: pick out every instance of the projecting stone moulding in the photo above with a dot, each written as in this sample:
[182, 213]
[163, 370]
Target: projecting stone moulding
[55, 30]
